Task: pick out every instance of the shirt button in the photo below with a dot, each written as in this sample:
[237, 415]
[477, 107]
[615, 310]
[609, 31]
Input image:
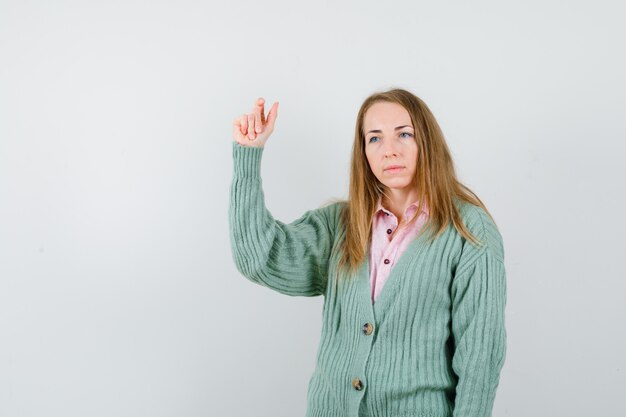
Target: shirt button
[368, 328]
[356, 384]
[387, 261]
[389, 231]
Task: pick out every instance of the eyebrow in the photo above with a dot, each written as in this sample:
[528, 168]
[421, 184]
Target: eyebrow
[380, 131]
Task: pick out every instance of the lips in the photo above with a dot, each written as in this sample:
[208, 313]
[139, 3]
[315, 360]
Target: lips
[393, 167]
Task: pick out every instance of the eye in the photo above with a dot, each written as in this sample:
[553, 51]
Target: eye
[372, 138]
[406, 133]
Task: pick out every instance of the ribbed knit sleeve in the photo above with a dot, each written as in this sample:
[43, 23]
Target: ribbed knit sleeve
[478, 324]
[289, 258]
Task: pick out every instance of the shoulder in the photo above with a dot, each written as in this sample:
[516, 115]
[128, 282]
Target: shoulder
[332, 211]
[326, 217]
[483, 227]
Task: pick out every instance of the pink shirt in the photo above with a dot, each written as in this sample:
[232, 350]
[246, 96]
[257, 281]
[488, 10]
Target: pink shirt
[385, 251]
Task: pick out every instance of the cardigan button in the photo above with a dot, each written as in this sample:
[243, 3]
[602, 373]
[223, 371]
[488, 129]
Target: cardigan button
[356, 384]
[387, 261]
[368, 328]
[389, 231]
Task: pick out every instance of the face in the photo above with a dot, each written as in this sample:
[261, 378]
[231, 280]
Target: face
[390, 144]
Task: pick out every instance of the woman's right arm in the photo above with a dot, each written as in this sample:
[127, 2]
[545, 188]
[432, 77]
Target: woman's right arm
[289, 258]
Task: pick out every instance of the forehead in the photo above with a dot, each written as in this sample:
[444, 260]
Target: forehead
[383, 114]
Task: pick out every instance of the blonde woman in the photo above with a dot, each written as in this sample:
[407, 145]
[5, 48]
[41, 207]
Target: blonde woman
[411, 267]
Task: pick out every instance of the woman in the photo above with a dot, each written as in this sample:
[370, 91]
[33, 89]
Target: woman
[413, 322]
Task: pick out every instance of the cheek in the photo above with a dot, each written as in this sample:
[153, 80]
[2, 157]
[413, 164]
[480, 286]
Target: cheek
[369, 161]
[414, 158]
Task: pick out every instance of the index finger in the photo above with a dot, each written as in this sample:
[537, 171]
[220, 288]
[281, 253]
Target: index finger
[260, 103]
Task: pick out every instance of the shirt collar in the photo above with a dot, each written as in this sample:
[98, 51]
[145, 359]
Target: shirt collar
[408, 213]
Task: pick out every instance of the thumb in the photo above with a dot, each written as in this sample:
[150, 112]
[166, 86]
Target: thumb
[271, 116]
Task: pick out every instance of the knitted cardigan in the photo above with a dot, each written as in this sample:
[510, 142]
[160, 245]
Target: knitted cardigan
[434, 342]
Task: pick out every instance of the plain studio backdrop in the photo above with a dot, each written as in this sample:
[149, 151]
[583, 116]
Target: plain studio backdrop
[118, 291]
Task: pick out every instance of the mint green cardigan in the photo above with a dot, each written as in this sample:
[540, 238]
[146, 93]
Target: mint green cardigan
[433, 343]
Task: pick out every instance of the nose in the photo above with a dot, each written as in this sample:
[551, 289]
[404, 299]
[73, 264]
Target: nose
[390, 148]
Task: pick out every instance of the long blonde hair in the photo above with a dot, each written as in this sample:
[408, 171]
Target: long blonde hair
[435, 178]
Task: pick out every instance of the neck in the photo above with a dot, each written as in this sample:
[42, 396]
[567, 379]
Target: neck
[396, 201]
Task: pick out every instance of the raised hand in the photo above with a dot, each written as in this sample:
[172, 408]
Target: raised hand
[253, 129]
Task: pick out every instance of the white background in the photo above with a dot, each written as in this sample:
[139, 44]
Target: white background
[118, 292]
